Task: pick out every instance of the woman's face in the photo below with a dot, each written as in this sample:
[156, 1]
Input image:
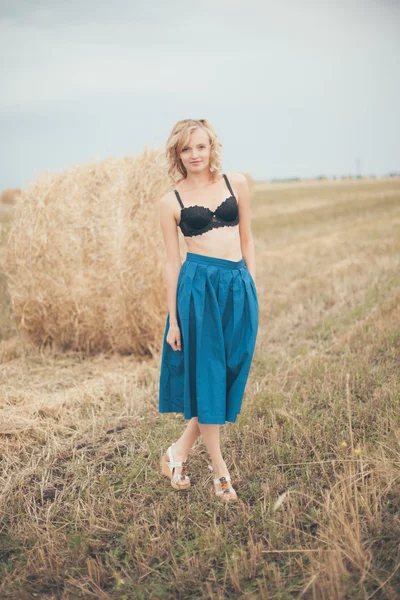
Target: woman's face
[195, 155]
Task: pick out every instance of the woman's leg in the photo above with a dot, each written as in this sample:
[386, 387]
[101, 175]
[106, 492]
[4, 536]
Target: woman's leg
[182, 446]
[211, 436]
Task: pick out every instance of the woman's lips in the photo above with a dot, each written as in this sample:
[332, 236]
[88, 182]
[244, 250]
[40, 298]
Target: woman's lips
[196, 162]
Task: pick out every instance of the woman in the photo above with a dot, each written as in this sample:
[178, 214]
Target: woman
[212, 322]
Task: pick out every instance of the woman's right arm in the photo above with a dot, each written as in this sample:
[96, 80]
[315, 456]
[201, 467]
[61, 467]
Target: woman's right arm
[173, 263]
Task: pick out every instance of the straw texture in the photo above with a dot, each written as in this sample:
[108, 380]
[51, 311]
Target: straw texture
[85, 257]
[10, 195]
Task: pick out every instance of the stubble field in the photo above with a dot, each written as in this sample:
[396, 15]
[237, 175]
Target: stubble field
[314, 455]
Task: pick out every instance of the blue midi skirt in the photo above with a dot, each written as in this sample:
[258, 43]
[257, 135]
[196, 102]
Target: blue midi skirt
[217, 314]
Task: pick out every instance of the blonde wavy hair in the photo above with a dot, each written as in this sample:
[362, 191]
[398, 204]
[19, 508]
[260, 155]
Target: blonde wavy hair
[179, 137]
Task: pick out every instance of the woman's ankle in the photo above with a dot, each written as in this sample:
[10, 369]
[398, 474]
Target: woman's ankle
[219, 468]
[178, 452]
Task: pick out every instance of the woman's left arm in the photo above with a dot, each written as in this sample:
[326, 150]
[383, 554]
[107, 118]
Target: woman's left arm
[246, 236]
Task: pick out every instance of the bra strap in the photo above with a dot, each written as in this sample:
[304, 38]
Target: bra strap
[228, 184]
[179, 198]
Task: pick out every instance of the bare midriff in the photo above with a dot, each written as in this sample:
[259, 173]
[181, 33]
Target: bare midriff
[222, 242]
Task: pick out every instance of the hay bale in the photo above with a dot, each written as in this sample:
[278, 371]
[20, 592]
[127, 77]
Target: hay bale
[85, 257]
[9, 195]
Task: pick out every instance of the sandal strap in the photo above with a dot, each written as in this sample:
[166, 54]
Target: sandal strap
[178, 477]
[230, 489]
[172, 464]
[184, 466]
[218, 480]
[225, 487]
[169, 452]
[223, 481]
[175, 463]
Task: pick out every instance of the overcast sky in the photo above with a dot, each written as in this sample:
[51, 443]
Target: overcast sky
[294, 88]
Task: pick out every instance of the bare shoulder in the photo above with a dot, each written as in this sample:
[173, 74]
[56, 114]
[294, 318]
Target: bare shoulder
[236, 178]
[169, 206]
[239, 184]
[167, 199]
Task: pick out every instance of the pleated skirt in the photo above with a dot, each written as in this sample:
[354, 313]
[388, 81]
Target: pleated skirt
[217, 313]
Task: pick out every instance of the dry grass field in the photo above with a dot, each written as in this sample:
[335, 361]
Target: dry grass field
[314, 455]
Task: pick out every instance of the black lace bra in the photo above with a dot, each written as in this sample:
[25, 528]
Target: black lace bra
[196, 220]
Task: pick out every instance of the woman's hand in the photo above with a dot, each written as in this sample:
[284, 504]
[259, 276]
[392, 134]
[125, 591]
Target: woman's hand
[174, 337]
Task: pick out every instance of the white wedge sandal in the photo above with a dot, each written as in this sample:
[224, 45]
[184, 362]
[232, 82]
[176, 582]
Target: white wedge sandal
[180, 481]
[226, 488]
